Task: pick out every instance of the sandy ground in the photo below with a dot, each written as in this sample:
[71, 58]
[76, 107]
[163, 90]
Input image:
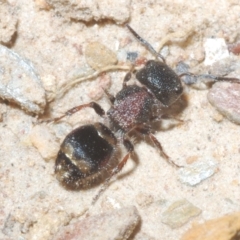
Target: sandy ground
[53, 37]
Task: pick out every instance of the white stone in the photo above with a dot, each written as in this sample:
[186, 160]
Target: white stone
[215, 50]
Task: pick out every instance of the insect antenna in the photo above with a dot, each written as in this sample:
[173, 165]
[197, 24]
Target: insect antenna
[145, 44]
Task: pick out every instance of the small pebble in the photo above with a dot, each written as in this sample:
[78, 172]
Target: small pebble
[179, 213]
[224, 228]
[234, 48]
[99, 56]
[44, 141]
[47, 224]
[182, 67]
[132, 56]
[19, 82]
[215, 50]
[115, 225]
[225, 97]
[197, 172]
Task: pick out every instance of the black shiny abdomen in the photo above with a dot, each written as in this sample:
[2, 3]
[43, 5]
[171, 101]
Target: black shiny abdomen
[83, 157]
